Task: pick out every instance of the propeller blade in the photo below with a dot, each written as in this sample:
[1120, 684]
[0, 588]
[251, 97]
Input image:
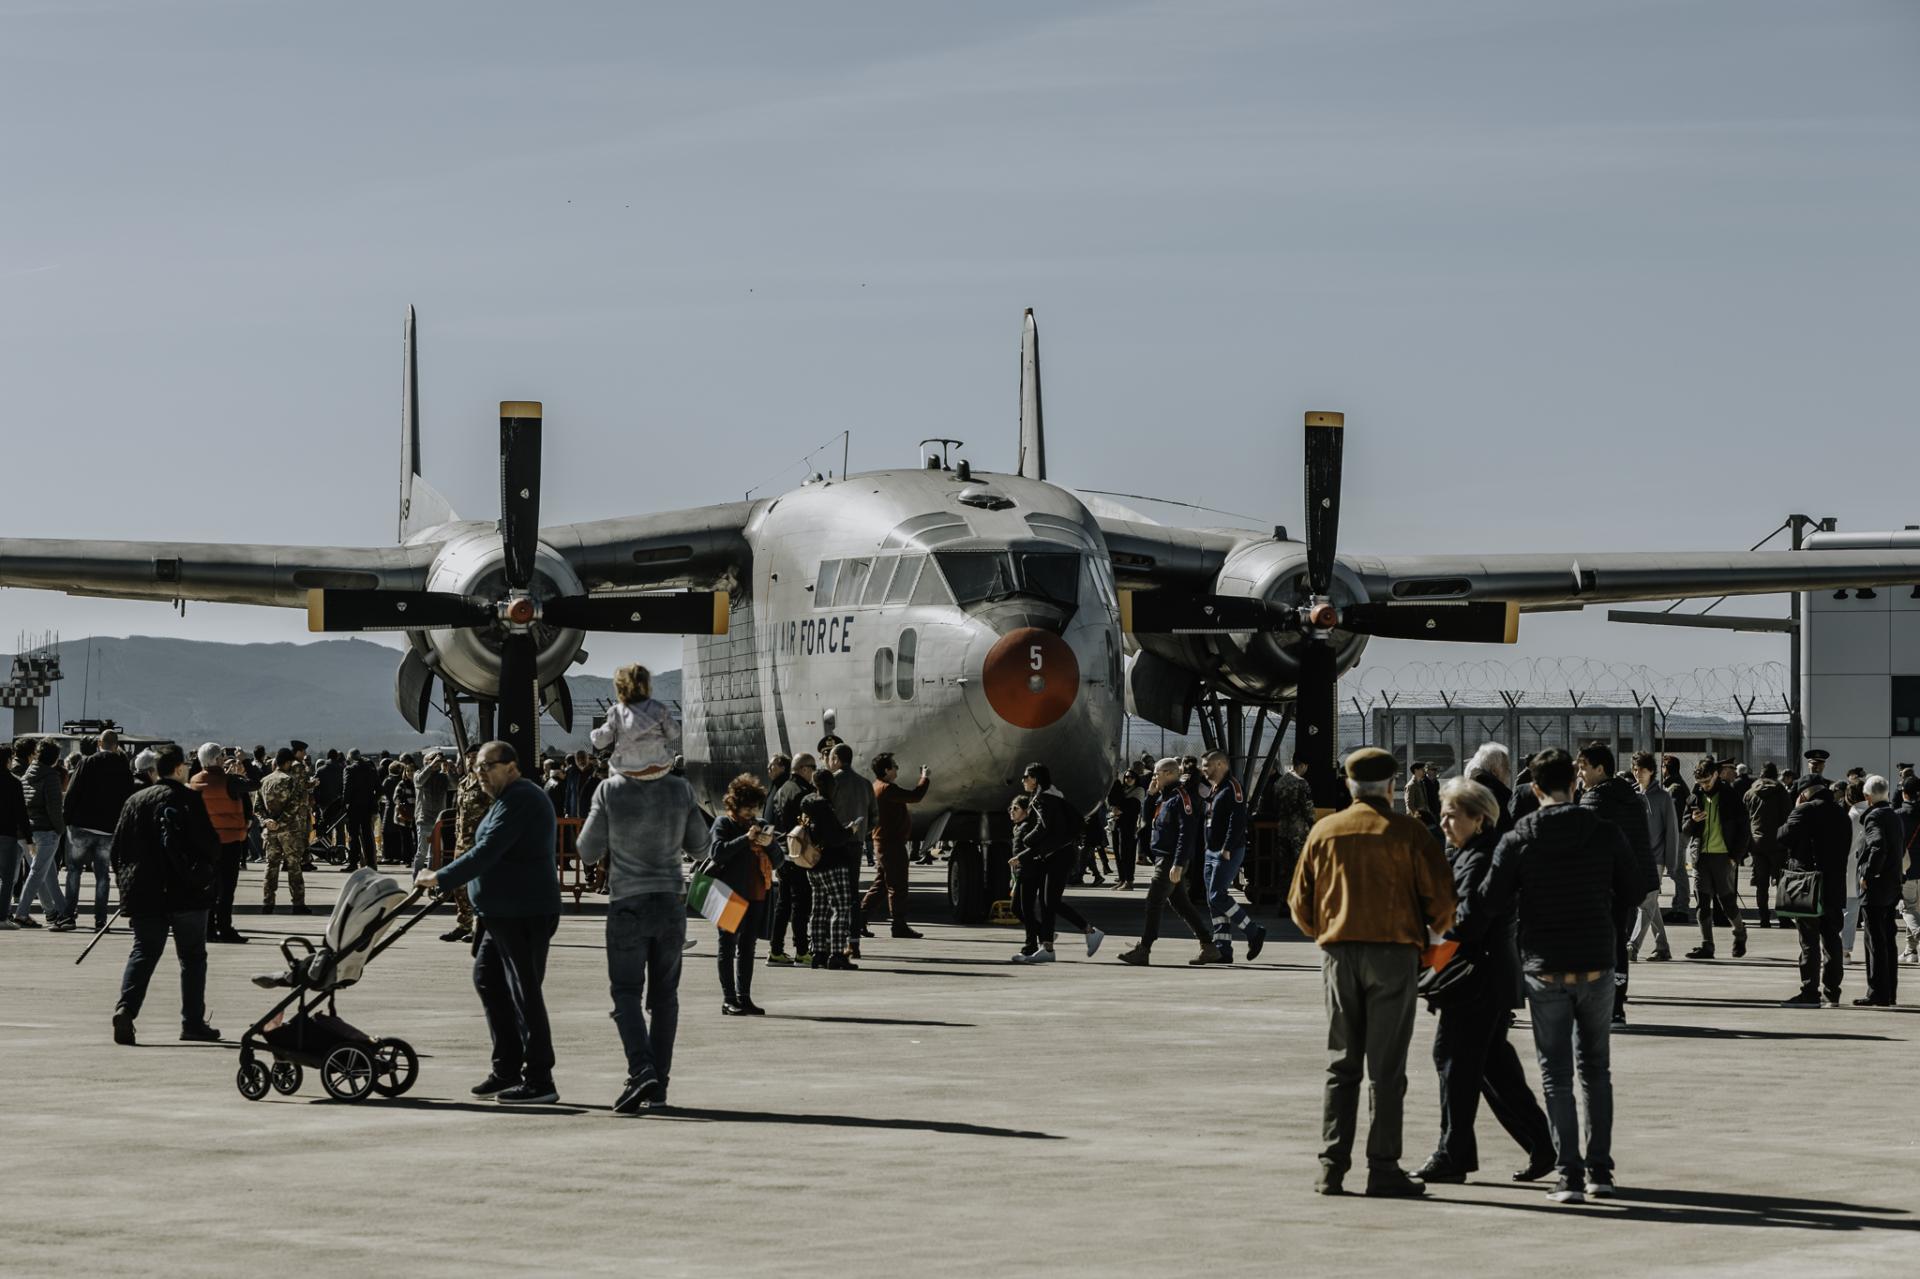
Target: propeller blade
[1316, 721]
[413, 690]
[1459, 621]
[359, 610]
[558, 699]
[1183, 613]
[520, 488]
[1326, 433]
[685, 613]
[519, 708]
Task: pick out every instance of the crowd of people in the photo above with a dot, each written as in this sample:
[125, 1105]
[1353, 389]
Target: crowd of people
[1481, 894]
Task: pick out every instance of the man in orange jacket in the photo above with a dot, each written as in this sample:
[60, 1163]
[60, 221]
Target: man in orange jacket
[223, 787]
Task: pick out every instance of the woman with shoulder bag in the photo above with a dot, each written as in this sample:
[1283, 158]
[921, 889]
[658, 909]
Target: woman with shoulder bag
[738, 857]
[1470, 1048]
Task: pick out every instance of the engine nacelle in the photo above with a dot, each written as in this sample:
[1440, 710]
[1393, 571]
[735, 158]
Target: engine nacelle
[473, 563]
[1261, 667]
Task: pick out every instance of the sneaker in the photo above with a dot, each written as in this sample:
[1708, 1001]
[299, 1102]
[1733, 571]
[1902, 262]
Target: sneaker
[1659, 957]
[1041, 957]
[1805, 999]
[25, 921]
[123, 1029]
[1534, 1171]
[853, 950]
[63, 924]
[1566, 1191]
[1123, 886]
[528, 1095]
[1209, 954]
[1700, 952]
[1870, 1002]
[1831, 1000]
[816, 961]
[779, 959]
[1021, 957]
[1600, 1185]
[805, 957]
[492, 1086]
[199, 1033]
[1256, 938]
[843, 963]
[1138, 958]
[7, 923]
[637, 1093]
[902, 931]
[1329, 1182]
[1094, 938]
[1392, 1183]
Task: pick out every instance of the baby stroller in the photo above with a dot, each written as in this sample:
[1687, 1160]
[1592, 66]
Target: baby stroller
[352, 1065]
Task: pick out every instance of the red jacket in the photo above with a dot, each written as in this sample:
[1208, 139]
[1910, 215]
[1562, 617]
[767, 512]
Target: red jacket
[895, 824]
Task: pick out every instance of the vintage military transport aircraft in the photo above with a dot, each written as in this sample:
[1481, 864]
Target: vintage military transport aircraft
[962, 619]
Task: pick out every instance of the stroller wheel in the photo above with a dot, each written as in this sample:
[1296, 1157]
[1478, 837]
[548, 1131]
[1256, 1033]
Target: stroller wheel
[395, 1066]
[347, 1073]
[251, 1079]
[286, 1077]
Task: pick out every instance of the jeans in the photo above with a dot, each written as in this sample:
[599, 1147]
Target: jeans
[1370, 989]
[736, 954]
[41, 880]
[1474, 1059]
[645, 935]
[1572, 1019]
[509, 968]
[793, 903]
[1649, 921]
[189, 928]
[89, 848]
[1161, 892]
[1718, 884]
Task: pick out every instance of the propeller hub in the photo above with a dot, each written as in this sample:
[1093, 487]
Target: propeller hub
[520, 611]
[1324, 615]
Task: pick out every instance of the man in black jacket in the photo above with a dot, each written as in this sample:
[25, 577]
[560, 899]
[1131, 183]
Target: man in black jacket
[1617, 800]
[1881, 844]
[164, 855]
[1572, 880]
[1817, 837]
[101, 785]
[789, 782]
[361, 791]
[1717, 834]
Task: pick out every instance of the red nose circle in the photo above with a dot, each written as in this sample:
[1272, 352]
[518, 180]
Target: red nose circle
[1031, 677]
[520, 612]
[1324, 616]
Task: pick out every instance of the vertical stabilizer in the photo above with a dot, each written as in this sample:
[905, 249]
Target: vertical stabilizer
[420, 506]
[1033, 437]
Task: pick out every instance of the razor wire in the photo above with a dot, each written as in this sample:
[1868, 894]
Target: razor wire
[1758, 689]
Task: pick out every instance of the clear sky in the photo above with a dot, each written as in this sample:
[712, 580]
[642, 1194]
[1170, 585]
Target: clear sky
[1583, 276]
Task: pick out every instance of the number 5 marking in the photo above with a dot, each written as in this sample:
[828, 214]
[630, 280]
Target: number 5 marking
[1033, 657]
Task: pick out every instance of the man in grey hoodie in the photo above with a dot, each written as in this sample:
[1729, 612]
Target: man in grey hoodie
[1663, 840]
[641, 827]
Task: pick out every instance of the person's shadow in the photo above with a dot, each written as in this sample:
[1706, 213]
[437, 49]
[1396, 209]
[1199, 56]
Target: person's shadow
[951, 1128]
[1729, 1208]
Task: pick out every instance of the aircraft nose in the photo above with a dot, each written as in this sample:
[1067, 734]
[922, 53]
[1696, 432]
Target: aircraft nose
[1030, 677]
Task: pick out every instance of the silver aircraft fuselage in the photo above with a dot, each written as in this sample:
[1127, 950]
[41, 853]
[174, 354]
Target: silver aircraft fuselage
[969, 625]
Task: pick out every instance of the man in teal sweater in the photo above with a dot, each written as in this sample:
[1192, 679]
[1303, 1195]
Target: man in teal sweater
[512, 876]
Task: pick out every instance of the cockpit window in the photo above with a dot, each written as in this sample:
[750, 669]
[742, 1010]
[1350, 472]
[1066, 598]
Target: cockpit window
[981, 577]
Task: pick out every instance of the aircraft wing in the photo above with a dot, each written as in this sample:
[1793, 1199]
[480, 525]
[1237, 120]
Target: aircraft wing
[219, 572]
[1559, 581]
[1147, 555]
[702, 548]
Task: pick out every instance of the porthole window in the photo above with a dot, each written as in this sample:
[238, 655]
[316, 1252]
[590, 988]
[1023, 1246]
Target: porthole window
[903, 677]
[883, 675]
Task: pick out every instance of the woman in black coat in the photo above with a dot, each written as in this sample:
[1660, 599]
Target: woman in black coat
[1470, 1048]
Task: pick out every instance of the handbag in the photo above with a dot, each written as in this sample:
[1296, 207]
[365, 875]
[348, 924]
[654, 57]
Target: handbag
[1799, 895]
[801, 850]
[1453, 985]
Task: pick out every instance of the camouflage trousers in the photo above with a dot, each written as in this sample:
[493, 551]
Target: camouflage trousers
[284, 848]
[464, 907]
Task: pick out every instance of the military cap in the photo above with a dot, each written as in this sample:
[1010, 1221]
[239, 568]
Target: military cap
[1905, 768]
[827, 744]
[1371, 764]
[1817, 753]
[299, 745]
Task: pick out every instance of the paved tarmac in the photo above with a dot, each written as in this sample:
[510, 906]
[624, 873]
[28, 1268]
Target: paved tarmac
[938, 1112]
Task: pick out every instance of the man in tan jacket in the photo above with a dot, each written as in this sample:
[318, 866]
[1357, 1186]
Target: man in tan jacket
[1369, 885]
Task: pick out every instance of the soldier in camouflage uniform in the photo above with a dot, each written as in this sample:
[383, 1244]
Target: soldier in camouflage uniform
[1292, 807]
[470, 804]
[286, 800]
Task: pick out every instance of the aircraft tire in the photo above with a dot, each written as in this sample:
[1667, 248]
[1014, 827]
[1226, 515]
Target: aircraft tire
[967, 884]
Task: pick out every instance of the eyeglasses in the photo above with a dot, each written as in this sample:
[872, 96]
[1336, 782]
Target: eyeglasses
[485, 764]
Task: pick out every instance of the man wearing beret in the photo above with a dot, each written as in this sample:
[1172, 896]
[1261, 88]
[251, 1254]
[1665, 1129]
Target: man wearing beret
[1370, 886]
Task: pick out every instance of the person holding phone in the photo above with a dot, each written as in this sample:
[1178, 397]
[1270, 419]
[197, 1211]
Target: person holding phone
[737, 846]
[892, 827]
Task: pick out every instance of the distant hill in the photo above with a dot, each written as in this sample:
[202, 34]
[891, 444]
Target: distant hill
[329, 693]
